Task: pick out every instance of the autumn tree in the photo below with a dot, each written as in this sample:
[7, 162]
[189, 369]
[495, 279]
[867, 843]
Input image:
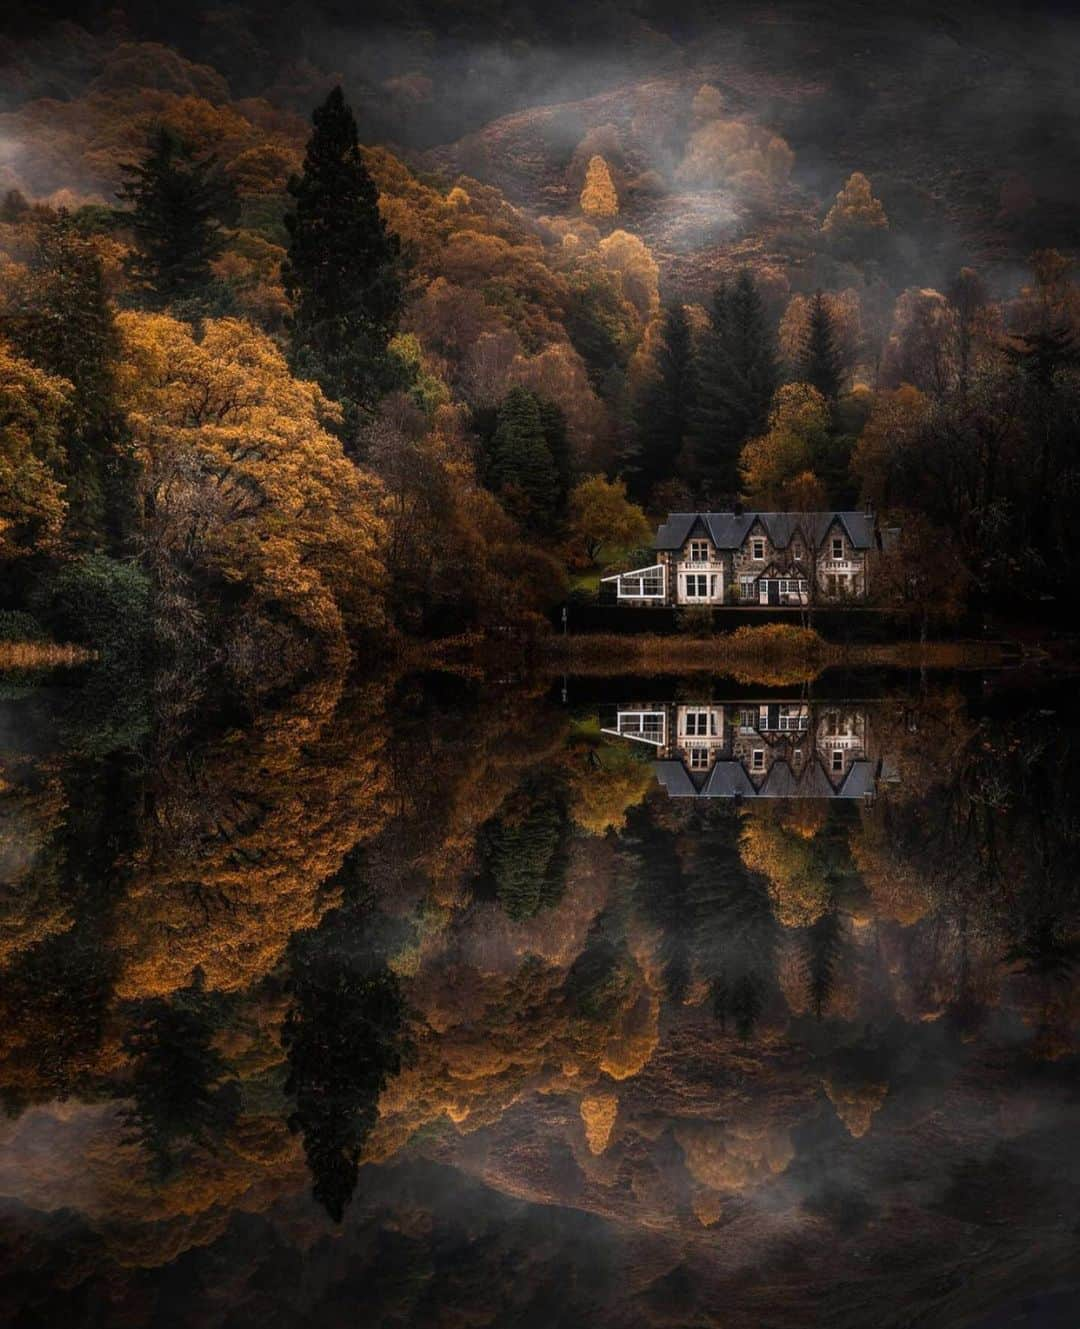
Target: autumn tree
[344, 268]
[598, 195]
[856, 213]
[60, 317]
[779, 467]
[737, 377]
[602, 517]
[922, 571]
[243, 487]
[819, 361]
[666, 408]
[179, 204]
[32, 456]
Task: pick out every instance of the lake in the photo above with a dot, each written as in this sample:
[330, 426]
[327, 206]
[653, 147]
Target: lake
[434, 1001]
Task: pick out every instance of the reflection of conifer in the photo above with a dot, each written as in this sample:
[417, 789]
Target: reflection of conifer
[747, 1003]
[660, 892]
[824, 950]
[524, 849]
[344, 1034]
[181, 1091]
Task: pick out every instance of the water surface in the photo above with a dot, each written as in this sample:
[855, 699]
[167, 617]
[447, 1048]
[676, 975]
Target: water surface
[622, 1002]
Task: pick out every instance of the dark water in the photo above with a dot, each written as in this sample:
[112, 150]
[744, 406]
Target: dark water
[625, 1003]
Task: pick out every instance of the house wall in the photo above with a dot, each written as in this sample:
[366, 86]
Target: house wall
[851, 569]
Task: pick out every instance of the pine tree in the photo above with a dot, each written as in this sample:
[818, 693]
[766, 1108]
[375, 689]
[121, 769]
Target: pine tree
[344, 268]
[738, 375]
[521, 467]
[557, 438]
[820, 364]
[61, 319]
[179, 204]
[667, 408]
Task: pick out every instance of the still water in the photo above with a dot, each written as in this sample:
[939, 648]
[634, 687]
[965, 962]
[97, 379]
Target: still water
[627, 1002]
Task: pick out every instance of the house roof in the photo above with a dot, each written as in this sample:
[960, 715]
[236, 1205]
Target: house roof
[728, 779]
[728, 530]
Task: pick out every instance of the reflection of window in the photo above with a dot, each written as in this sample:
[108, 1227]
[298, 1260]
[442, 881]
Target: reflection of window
[838, 547]
[757, 759]
[699, 551]
[747, 720]
[838, 759]
[699, 759]
[757, 549]
[697, 723]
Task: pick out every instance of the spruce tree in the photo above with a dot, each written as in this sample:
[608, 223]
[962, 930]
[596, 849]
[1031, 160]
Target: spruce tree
[557, 438]
[819, 364]
[344, 268]
[667, 408]
[521, 467]
[738, 375]
[179, 204]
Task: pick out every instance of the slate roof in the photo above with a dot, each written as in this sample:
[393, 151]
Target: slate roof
[728, 530]
[728, 779]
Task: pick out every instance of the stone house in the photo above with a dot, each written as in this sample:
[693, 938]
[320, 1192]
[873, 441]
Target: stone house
[755, 558]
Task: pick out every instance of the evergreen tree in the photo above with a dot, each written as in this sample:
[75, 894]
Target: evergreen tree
[520, 466]
[738, 375]
[61, 319]
[557, 438]
[667, 408]
[344, 268]
[179, 204]
[820, 364]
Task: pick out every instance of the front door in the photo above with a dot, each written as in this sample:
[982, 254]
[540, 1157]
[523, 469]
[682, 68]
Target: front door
[774, 592]
[763, 592]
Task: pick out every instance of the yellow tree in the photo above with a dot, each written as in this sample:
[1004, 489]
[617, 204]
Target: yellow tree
[856, 211]
[598, 195]
[243, 487]
[32, 404]
[601, 516]
[778, 468]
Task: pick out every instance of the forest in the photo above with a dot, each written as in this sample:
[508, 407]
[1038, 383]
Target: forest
[272, 392]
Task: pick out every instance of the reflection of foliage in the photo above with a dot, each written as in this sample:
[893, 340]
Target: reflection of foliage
[181, 1090]
[523, 849]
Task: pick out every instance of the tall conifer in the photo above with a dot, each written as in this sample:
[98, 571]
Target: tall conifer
[820, 363]
[667, 408]
[344, 268]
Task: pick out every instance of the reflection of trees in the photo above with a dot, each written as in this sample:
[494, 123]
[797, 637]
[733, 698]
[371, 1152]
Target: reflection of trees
[524, 849]
[181, 1090]
[344, 1038]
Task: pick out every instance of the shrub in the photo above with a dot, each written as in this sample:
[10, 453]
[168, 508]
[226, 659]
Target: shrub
[99, 602]
[18, 625]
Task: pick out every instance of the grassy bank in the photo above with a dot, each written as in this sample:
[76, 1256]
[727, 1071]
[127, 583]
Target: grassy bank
[775, 654]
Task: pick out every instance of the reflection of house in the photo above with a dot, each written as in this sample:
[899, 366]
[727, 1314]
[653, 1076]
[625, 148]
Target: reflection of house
[769, 749]
[759, 558]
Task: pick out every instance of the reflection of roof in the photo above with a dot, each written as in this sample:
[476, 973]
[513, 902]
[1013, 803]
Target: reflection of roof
[728, 779]
[728, 530]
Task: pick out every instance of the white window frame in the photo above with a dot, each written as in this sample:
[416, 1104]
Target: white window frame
[757, 760]
[755, 544]
[838, 547]
[747, 589]
[655, 734]
[837, 761]
[699, 551]
[626, 582]
[699, 759]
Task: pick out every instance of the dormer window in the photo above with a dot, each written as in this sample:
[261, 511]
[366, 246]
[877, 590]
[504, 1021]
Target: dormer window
[757, 550]
[838, 547]
[699, 551]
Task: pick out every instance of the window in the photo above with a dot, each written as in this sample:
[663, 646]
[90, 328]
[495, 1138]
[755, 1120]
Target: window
[699, 759]
[699, 551]
[757, 759]
[838, 759]
[746, 589]
[697, 586]
[697, 723]
[642, 584]
[838, 547]
[757, 549]
[796, 550]
[747, 721]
